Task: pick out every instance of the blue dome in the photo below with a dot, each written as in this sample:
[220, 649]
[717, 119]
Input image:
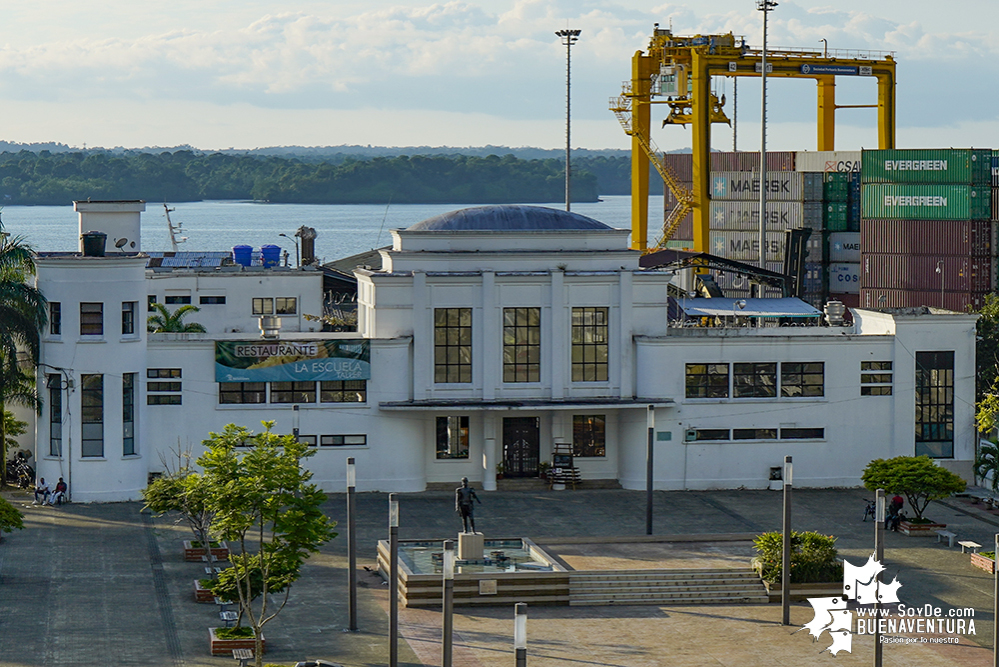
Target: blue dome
[507, 219]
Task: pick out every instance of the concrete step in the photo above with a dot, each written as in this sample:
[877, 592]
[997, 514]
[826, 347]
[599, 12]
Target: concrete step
[670, 600]
[669, 586]
[700, 586]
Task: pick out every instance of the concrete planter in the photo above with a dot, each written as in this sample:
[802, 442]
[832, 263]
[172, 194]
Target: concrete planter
[984, 562]
[801, 592]
[202, 594]
[225, 646]
[920, 529]
[194, 554]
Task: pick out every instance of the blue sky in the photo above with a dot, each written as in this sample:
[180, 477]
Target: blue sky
[260, 73]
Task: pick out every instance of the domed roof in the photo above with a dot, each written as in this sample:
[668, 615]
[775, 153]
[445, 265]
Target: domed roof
[507, 218]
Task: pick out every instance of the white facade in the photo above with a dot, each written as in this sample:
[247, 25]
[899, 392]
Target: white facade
[448, 398]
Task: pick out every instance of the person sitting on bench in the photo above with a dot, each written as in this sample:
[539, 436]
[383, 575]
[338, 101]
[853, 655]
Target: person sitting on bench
[41, 489]
[59, 495]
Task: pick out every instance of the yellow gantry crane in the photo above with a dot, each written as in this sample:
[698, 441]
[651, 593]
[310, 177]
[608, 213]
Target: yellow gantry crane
[679, 69]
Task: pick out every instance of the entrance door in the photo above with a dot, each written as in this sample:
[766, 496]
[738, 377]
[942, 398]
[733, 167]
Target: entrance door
[521, 446]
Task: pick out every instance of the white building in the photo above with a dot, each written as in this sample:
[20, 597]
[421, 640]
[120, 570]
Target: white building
[487, 336]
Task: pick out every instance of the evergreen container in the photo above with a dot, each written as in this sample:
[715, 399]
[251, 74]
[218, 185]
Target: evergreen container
[926, 202]
[959, 166]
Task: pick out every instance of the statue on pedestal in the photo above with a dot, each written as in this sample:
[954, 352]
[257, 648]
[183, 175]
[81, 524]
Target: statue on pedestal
[464, 497]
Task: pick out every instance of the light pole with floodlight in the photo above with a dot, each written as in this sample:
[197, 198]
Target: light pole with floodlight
[765, 6]
[351, 546]
[520, 633]
[569, 38]
[448, 630]
[785, 568]
[393, 581]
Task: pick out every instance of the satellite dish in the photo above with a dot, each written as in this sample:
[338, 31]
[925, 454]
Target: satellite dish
[120, 243]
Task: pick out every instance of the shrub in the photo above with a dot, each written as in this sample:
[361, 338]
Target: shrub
[918, 478]
[10, 518]
[813, 557]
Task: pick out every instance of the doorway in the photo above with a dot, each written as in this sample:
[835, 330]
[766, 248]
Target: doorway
[521, 446]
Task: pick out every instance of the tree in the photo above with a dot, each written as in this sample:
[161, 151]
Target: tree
[165, 321]
[987, 463]
[269, 513]
[12, 427]
[918, 478]
[10, 518]
[185, 492]
[22, 316]
[987, 347]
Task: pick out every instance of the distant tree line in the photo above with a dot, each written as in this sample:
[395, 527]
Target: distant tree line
[56, 178]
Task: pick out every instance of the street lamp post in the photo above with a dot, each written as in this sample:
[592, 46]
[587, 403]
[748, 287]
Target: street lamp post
[298, 258]
[940, 265]
[351, 546]
[785, 568]
[393, 581]
[765, 6]
[651, 419]
[569, 38]
[446, 640]
[520, 633]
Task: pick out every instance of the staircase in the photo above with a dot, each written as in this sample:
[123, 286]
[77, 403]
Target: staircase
[667, 587]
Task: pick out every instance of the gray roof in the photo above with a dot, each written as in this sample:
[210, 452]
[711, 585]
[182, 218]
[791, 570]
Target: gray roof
[507, 218]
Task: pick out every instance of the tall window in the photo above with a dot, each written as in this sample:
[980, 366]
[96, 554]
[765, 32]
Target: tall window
[797, 379]
[237, 393]
[452, 437]
[935, 404]
[128, 414]
[589, 435]
[54, 384]
[128, 318]
[92, 414]
[707, 381]
[755, 380]
[521, 345]
[452, 345]
[55, 318]
[91, 319]
[589, 345]
[293, 392]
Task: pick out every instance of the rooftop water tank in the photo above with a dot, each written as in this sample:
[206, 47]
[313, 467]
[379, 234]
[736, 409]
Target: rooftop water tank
[242, 254]
[271, 254]
[93, 243]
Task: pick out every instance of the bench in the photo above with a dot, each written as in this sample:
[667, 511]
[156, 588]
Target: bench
[946, 533]
[968, 544]
[228, 617]
[244, 655]
[213, 570]
[223, 604]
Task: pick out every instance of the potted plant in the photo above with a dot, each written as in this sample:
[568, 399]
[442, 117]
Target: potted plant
[815, 567]
[500, 469]
[920, 480]
[986, 560]
[543, 469]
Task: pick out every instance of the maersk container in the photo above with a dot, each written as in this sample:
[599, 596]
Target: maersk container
[844, 247]
[926, 202]
[729, 280]
[964, 238]
[744, 246]
[960, 166]
[898, 298]
[919, 272]
[745, 215]
[821, 161]
[844, 277]
[745, 186]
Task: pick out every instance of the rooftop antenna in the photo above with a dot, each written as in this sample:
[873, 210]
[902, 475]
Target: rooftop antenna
[174, 231]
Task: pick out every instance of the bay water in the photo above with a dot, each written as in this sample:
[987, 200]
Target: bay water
[343, 229]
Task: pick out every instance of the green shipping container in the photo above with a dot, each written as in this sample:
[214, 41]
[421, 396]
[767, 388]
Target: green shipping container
[926, 202]
[835, 191]
[835, 216]
[959, 166]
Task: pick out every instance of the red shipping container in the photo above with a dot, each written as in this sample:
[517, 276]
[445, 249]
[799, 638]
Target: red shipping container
[919, 273]
[682, 164]
[967, 238]
[848, 300]
[894, 298]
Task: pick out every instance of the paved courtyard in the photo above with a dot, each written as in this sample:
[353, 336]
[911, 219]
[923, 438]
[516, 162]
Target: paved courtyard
[107, 585]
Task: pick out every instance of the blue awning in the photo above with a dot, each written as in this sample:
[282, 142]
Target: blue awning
[721, 307]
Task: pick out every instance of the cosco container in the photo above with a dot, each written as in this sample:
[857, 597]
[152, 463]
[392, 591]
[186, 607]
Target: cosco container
[745, 186]
[926, 202]
[897, 298]
[745, 215]
[967, 238]
[844, 277]
[821, 161]
[962, 166]
[920, 272]
[844, 247]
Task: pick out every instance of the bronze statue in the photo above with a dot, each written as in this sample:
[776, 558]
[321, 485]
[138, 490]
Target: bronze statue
[464, 496]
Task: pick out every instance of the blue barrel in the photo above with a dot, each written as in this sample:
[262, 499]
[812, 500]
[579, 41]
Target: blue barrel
[271, 254]
[242, 254]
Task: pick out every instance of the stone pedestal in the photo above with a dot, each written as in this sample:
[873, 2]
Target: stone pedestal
[470, 546]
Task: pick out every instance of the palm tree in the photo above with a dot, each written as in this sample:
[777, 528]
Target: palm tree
[165, 321]
[22, 316]
[987, 465]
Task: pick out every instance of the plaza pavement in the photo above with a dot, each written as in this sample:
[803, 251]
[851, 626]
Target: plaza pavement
[106, 585]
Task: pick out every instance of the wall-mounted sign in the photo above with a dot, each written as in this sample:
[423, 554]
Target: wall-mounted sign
[292, 360]
[829, 69]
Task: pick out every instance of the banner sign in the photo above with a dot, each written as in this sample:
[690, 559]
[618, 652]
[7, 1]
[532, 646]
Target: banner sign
[292, 360]
[828, 69]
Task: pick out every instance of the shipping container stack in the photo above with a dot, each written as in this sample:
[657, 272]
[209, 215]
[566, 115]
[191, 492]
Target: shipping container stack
[926, 234]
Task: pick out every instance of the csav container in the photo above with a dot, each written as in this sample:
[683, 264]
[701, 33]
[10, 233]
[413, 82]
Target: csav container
[920, 273]
[968, 238]
[926, 202]
[897, 298]
[822, 161]
[963, 166]
[745, 186]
